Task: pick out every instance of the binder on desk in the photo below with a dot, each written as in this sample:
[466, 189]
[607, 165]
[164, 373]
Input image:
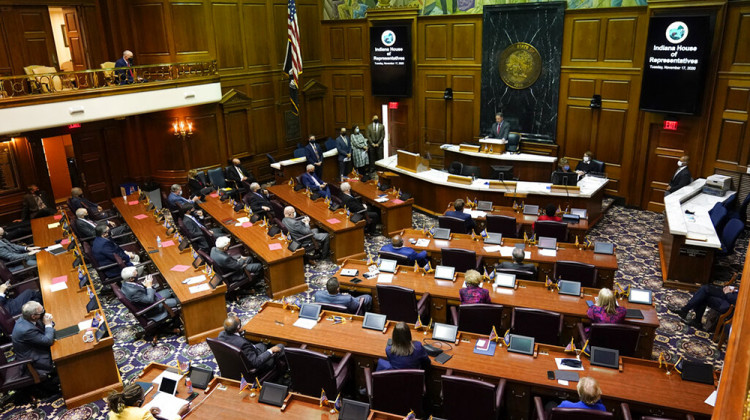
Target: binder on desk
[489, 350]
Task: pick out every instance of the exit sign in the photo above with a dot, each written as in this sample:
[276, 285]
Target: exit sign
[392, 105]
[670, 125]
[72, 126]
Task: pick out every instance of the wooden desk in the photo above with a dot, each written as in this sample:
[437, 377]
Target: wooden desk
[641, 383]
[294, 167]
[202, 313]
[347, 238]
[605, 264]
[529, 294]
[526, 167]
[393, 215]
[71, 355]
[284, 270]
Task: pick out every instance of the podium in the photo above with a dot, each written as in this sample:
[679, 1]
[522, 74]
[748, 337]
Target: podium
[411, 162]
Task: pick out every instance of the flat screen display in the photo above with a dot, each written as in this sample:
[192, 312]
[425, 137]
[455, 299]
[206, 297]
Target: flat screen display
[677, 57]
[505, 280]
[374, 321]
[273, 394]
[310, 311]
[444, 332]
[521, 344]
[390, 60]
[444, 272]
[601, 356]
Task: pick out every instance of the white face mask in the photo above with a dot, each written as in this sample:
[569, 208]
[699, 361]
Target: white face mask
[586, 159]
[680, 164]
[356, 130]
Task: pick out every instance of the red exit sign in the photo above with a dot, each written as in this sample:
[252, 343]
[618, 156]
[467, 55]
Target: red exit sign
[72, 126]
[670, 125]
[392, 105]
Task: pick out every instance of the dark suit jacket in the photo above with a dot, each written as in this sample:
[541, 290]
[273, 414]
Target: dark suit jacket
[30, 342]
[255, 356]
[585, 167]
[375, 136]
[466, 217]
[197, 186]
[310, 153]
[504, 130]
[142, 297]
[123, 76]
[307, 181]
[80, 202]
[232, 175]
[177, 201]
[297, 229]
[11, 252]
[85, 228]
[30, 207]
[104, 250]
[411, 254]
[343, 299]
[195, 233]
[344, 147]
[525, 267]
[229, 264]
[352, 203]
[679, 180]
[256, 201]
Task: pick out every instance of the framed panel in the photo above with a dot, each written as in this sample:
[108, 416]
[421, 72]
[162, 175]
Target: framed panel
[435, 42]
[619, 44]
[255, 19]
[464, 41]
[151, 16]
[228, 36]
[585, 40]
[354, 43]
[189, 28]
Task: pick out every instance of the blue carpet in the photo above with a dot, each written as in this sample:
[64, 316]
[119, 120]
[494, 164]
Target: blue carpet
[636, 232]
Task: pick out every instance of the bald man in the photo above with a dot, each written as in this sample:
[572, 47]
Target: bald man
[397, 247]
[240, 176]
[299, 227]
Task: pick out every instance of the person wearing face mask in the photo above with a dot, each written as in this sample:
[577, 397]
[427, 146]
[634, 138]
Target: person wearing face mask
[359, 151]
[314, 156]
[176, 200]
[681, 177]
[86, 227]
[585, 166]
[375, 137]
[125, 76]
[562, 166]
[103, 249]
[344, 147]
[312, 181]
[241, 178]
[300, 227]
[36, 203]
[18, 254]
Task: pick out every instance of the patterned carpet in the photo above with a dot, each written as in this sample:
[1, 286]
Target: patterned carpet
[636, 232]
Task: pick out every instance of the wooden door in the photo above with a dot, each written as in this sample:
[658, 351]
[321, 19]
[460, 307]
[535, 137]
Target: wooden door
[29, 31]
[100, 160]
[75, 38]
[665, 148]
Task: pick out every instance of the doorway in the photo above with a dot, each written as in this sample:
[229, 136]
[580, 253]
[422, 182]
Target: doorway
[61, 165]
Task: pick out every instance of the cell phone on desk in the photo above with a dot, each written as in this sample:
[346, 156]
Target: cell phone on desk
[590, 303]
[355, 280]
[551, 375]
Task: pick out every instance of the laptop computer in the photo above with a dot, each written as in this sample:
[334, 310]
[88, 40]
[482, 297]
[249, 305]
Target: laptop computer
[484, 205]
[444, 272]
[698, 372]
[441, 233]
[521, 344]
[374, 321]
[531, 209]
[582, 213]
[640, 296]
[168, 386]
[568, 287]
[505, 280]
[308, 315]
[200, 377]
[601, 356]
[273, 394]
[545, 242]
[494, 238]
[387, 266]
[604, 248]
[353, 410]
[444, 332]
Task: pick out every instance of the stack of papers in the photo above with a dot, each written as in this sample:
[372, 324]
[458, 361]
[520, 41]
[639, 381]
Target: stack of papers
[200, 288]
[305, 323]
[548, 252]
[169, 405]
[385, 278]
[381, 199]
[493, 248]
[194, 280]
[423, 243]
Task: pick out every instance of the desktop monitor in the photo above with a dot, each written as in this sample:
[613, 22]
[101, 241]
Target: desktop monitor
[494, 238]
[441, 233]
[444, 332]
[521, 344]
[569, 179]
[568, 287]
[601, 356]
[642, 296]
[698, 372]
[273, 394]
[353, 410]
[444, 272]
[200, 377]
[604, 248]
[102, 332]
[546, 242]
[505, 280]
[502, 172]
[531, 209]
[387, 266]
[374, 321]
[484, 205]
[310, 311]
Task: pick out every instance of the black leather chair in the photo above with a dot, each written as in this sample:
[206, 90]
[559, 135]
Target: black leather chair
[623, 338]
[552, 229]
[312, 371]
[461, 259]
[486, 399]
[544, 326]
[456, 168]
[100, 270]
[396, 391]
[469, 170]
[576, 271]
[20, 280]
[217, 178]
[17, 375]
[514, 142]
[400, 259]
[520, 274]
[150, 327]
[626, 415]
[505, 225]
[597, 166]
[233, 364]
[455, 224]
[400, 304]
[558, 413]
[478, 318]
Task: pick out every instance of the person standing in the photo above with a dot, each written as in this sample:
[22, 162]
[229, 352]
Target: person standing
[344, 148]
[360, 157]
[500, 128]
[314, 156]
[375, 138]
[681, 177]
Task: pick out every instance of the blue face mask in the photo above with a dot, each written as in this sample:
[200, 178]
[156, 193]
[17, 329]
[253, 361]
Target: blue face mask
[566, 167]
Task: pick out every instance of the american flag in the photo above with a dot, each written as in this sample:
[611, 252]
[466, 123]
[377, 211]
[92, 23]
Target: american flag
[293, 60]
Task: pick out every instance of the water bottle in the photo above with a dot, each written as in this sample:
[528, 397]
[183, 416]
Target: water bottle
[189, 385]
[158, 242]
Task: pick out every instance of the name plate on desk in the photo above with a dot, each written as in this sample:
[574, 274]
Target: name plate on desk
[459, 179]
[507, 185]
[468, 148]
[570, 189]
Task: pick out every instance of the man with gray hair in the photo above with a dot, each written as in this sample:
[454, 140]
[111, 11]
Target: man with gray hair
[355, 206]
[517, 264]
[18, 254]
[144, 295]
[312, 181]
[260, 357]
[87, 227]
[300, 227]
[240, 267]
[33, 336]
[124, 76]
[258, 200]
[176, 200]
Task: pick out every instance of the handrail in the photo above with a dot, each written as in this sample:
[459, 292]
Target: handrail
[97, 79]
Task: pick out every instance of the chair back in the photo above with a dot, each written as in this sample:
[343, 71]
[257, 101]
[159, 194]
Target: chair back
[552, 229]
[216, 176]
[729, 235]
[718, 215]
[544, 326]
[298, 153]
[5, 274]
[336, 190]
[576, 271]
[398, 391]
[514, 142]
[270, 158]
[457, 391]
[397, 303]
[623, 338]
[597, 166]
[142, 319]
[311, 371]
[330, 144]
[469, 170]
[456, 168]
[743, 208]
[520, 274]
[7, 322]
[400, 259]
[233, 364]
[505, 225]
[558, 413]
[460, 259]
[479, 318]
[455, 224]
[278, 209]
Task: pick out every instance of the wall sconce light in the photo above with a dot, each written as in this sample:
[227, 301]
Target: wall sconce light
[182, 128]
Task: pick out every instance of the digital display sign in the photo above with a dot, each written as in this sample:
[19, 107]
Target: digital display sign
[390, 60]
[677, 53]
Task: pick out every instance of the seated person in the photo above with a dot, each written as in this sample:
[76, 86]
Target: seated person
[301, 227]
[585, 165]
[590, 396]
[126, 405]
[239, 176]
[312, 181]
[458, 212]
[103, 249]
[333, 295]
[143, 295]
[258, 201]
[260, 357]
[198, 188]
[397, 247]
[17, 229]
[473, 293]
[37, 203]
[175, 198]
[709, 295]
[605, 310]
[198, 233]
[518, 256]
[87, 227]
[562, 166]
[403, 353]
[32, 340]
[355, 206]
[77, 201]
[550, 213]
[18, 254]
[13, 305]
[242, 266]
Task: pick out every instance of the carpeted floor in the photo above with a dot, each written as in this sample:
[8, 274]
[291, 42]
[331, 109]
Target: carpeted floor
[636, 232]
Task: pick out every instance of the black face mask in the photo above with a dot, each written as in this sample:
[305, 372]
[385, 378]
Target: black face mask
[130, 61]
[375, 120]
[343, 133]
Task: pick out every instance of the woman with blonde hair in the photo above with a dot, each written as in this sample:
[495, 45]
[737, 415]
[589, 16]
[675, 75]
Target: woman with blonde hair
[590, 396]
[606, 310]
[473, 293]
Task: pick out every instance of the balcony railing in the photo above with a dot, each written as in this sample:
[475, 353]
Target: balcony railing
[98, 79]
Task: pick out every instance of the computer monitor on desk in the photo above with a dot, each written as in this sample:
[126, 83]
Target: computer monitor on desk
[569, 179]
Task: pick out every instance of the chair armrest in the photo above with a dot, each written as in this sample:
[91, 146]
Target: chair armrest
[29, 366]
[499, 393]
[368, 382]
[5, 347]
[303, 346]
[480, 262]
[24, 270]
[361, 300]
[342, 364]
[151, 306]
[423, 302]
[626, 412]
[581, 331]
[23, 238]
[539, 408]
[25, 282]
[454, 315]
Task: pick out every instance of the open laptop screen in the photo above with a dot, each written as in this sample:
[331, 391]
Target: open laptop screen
[521, 344]
[374, 321]
[444, 272]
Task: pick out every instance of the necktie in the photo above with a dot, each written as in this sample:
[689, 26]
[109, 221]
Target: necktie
[498, 128]
[315, 150]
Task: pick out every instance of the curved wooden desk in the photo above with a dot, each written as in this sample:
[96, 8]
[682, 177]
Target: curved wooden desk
[527, 167]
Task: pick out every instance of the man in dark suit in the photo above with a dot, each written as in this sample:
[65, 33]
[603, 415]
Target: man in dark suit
[344, 148]
[681, 177]
[104, 249]
[458, 212]
[375, 137]
[143, 295]
[314, 156]
[299, 228]
[124, 76]
[585, 165]
[258, 200]
[355, 206]
[517, 264]
[333, 295]
[13, 305]
[10, 251]
[77, 201]
[260, 357]
[87, 227]
[709, 295]
[36, 203]
[197, 232]
[397, 247]
[239, 176]
[240, 266]
[175, 198]
[500, 129]
[31, 341]
[312, 181]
